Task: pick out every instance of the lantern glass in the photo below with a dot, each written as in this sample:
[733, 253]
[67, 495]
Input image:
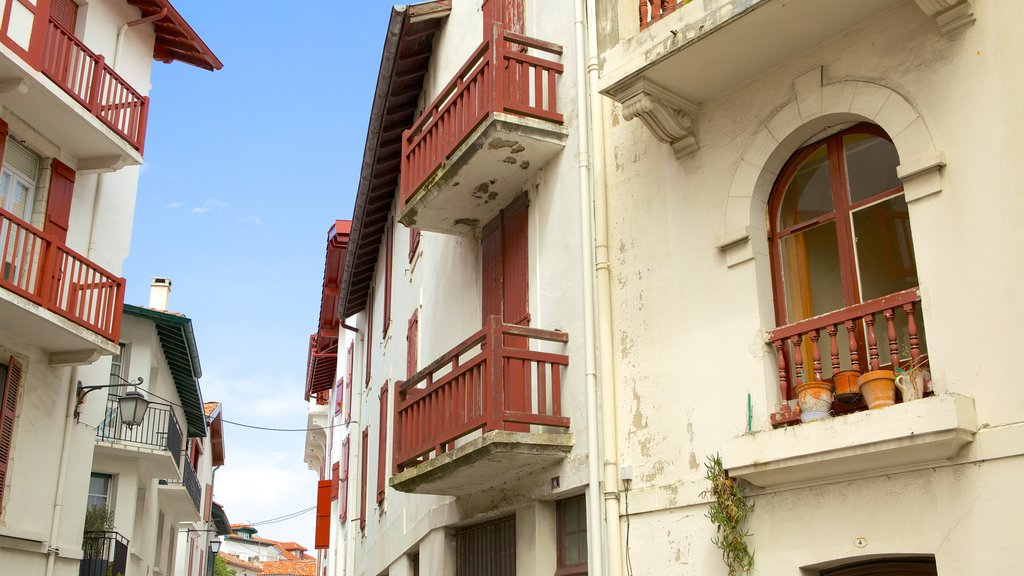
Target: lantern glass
[133, 406]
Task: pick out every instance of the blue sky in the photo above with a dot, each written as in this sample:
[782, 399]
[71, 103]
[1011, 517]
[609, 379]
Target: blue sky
[246, 169]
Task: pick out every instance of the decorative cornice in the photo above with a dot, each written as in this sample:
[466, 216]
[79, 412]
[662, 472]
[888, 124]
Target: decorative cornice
[670, 118]
[950, 15]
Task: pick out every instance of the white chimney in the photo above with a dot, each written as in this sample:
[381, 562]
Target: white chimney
[159, 293]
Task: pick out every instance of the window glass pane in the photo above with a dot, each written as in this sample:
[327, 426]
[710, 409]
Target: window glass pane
[99, 490]
[811, 276]
[5, 183]
[870, 166]
[20, 199]
[885, 248]
[809, 194]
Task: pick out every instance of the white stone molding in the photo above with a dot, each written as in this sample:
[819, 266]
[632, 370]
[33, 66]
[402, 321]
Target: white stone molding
[950, 15]
[816, 107]
[669, 117]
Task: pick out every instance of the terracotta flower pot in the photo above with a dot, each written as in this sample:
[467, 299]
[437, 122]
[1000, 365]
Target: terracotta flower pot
[847, 389]
[878, 388]
[815, 400]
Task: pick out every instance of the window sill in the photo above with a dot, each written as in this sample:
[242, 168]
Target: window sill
[901, 437]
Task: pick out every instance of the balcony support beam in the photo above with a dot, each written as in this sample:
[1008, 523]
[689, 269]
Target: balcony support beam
[950, 15]
[75, 357]
[670, 118]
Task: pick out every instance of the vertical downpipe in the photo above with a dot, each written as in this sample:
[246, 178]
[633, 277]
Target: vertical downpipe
[595, 533]
[606, 352]
[58, 502]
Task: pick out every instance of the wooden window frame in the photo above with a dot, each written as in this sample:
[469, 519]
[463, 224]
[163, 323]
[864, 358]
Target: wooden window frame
[412, 341]
[350, 361]
[362, 480]
[563, 568]
[343, 488]
[414, 243]
[389, 258]
[369, 337]
[382, 444]
[842, 209]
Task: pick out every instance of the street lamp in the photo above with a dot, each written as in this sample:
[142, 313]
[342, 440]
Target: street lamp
[215, 545]
[132, 406]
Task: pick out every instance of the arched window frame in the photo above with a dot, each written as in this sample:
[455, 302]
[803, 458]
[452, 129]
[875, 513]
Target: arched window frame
[842, 209]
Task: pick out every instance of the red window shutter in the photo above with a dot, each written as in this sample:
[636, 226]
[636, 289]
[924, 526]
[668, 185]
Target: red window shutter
[412, 338]
[8, 409]
[208, 504]
[58, 203]
[65, 12]
[362, 479]
[369, 335]
[343, 488]
[515, 263]
[389, 252]
[322, 537]
[335, 479]
[348, 383]
[414, 242]
[382, 447]
[3, 138]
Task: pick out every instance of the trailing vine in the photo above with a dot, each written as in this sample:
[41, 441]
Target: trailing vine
[728, 512]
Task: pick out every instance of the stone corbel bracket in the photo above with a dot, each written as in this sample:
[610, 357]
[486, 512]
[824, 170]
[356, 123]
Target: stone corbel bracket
[950, 15]
[669, 117]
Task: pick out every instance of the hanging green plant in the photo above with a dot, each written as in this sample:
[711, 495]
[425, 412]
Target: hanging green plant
[728, 512]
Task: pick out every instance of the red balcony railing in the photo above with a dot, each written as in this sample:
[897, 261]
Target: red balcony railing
[503, 385]
[840, 337]
[653, 10]
[36, 266]
[87, 78]
[498, 77]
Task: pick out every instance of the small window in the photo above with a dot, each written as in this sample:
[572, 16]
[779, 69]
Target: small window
[572, 536]
[119, 369]
[99, 490]
[18, 179]
[487, 549]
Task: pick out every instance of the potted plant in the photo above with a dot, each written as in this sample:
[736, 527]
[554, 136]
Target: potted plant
[815, 400]
[846, 388]
[878, 387]
[912, 379]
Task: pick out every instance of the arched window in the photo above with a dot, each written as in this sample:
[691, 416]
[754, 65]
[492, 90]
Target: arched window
[843, 263]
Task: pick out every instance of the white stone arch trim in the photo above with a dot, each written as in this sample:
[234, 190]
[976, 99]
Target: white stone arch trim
[816, 108]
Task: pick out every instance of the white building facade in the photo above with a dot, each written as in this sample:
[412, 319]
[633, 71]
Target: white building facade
[760, 212]
[73, 114]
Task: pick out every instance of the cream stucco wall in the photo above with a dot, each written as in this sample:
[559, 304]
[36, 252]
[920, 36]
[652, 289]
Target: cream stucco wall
[691, 311]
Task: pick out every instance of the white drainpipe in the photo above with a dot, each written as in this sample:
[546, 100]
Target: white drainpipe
[606, 351]
[58, 503]
[583, 104]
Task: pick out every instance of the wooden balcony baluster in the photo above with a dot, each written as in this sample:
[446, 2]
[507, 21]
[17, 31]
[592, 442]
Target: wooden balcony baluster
[798, 359]
[851, 332]
[915, 345]
[869, 320]
[833, 347]
[780, 357]
[894, 345]
[816, 355]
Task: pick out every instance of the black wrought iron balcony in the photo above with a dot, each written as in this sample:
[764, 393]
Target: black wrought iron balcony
[103, 553]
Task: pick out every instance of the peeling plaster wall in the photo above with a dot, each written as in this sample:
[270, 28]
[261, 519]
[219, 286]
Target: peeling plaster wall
[689, 328]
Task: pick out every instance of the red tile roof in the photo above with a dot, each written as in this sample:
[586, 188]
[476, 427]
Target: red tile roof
[233, 560]
[290, 568]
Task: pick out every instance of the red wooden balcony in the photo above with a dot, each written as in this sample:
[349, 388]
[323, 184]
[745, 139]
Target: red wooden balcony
[48, 274]
[489, 130]
[487, 410]
[653, 10]
[879, 333]
[87, 78]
